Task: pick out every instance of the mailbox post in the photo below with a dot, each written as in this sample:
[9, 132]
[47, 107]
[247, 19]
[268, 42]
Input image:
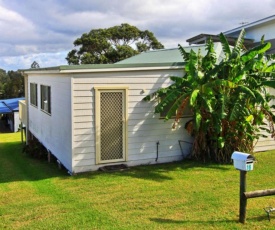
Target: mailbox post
[243, 162]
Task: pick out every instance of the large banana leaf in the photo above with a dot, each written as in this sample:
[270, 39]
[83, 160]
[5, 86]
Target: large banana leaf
[218, 83]
[167, 100]
[246, 90]
[270, 68]
[176, 106]
[225, 45]
[198, 119]
[194, 96]
[270, 83]
[259, 97]
[252, 53]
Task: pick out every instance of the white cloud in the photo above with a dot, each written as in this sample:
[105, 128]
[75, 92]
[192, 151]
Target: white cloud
[25, 61]
[31, 27]
[14, 27]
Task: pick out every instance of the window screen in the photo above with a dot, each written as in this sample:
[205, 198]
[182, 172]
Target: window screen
[46, 98]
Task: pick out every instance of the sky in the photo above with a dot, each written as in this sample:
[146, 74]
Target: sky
[44, 30]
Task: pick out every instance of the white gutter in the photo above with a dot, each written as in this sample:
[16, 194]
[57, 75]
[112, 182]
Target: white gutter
[102, 70]
[119, 69]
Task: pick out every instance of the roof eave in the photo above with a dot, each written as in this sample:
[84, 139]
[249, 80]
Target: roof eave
[121, 69]
[105, 68]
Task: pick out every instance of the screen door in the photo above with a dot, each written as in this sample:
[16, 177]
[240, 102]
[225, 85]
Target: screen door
[111, 125]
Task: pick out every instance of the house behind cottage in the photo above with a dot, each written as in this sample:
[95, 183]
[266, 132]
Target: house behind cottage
[253, 34]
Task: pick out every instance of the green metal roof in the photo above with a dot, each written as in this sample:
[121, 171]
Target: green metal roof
[168, 55]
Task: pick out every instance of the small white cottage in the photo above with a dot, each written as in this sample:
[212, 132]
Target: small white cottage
[89, 116]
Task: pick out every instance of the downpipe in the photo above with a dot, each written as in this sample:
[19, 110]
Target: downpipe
[157, 151]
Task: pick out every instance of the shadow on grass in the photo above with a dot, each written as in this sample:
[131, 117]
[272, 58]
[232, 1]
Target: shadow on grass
[210, 222]
[18, 166]
[261, 218]
[170, 221]
[159, 172]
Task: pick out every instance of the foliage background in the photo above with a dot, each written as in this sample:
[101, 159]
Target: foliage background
[110, 45]
[11, 84]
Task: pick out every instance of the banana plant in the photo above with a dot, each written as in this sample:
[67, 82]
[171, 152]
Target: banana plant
[229, 99]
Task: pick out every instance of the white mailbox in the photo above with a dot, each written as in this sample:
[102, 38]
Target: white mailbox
[243, 161]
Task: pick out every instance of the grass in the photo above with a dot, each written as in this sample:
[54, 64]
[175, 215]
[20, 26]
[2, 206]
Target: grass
[183, 195]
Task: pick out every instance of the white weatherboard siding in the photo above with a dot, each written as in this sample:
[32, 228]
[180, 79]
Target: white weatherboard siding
[53, 131]
[145, 128]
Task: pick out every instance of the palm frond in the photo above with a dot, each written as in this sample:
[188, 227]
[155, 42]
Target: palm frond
[209, 60]
[225, 45]
[184, 54]
[239, 43]
[237, 110]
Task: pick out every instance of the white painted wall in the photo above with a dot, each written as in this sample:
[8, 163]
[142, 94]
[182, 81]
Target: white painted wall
[53, 131]
[145, 128]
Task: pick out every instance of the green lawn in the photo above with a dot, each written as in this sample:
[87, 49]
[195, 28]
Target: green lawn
[184, 195]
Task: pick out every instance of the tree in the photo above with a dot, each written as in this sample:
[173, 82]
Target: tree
[229, 100]
[101, 46]
[11, 84]
[3, 77]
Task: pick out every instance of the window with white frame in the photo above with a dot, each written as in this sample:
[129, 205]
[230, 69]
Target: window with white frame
[33, 94]
[45, 92]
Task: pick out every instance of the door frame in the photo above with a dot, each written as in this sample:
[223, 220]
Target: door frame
[113, 88]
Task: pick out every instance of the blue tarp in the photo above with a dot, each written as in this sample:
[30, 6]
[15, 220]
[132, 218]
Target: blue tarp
[10, 105]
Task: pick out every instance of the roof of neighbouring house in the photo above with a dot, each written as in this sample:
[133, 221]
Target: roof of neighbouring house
[202, 38]
[233, 34]
[252, 24]
[9, 105]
